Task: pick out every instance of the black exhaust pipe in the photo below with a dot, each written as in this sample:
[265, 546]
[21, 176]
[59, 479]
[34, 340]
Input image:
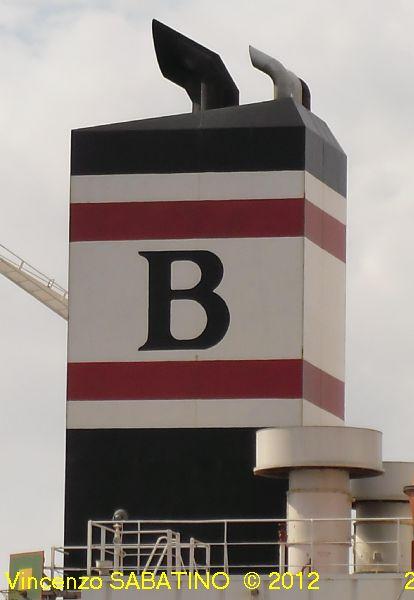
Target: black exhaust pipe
[197, 69]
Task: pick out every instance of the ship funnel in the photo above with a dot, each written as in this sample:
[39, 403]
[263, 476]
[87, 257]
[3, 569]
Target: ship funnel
[286, 83]
[197, 69]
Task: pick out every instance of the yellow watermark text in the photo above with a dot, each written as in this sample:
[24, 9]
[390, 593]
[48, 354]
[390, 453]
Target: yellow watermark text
[146, 580]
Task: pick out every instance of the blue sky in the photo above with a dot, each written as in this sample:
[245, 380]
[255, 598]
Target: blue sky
[67, 64]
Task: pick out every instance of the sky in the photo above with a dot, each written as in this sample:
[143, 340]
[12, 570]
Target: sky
[72, 63]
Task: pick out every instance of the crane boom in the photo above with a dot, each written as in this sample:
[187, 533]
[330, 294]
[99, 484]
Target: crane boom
[33, 281]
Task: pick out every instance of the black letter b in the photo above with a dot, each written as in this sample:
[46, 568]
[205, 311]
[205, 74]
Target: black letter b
[161, 295]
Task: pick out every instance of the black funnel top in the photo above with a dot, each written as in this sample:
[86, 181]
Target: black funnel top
[197, 69]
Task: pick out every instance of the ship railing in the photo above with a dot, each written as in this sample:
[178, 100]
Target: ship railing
[234, 546]
[7, 256]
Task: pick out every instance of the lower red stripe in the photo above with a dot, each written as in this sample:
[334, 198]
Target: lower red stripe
[325, 231]
[185, 379]
[206, 380]
[322, 389]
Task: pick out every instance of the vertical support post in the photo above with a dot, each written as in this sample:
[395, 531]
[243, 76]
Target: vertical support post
[354, 543]
[169, 549]
[52, 561]
[89, 550]
[398, 545]
[208, 559]
[139, 549]
[226, 554]
[177, 551]
[311, 545]
[191, 557]
[117, 543]
[103, 544]
[282, 541]
[282, 557]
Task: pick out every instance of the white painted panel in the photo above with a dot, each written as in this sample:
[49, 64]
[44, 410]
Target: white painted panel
[262, 286]
[187, 186]
[130, 414]
[314, 415]
[325, 198]
[324, 311]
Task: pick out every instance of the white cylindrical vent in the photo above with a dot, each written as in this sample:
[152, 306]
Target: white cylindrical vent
[322, 544]
[319, 462]
[383, 546]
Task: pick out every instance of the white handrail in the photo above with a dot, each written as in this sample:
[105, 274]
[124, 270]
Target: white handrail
[37, 284]
[161, 539]
[23, 265]
[143, 539]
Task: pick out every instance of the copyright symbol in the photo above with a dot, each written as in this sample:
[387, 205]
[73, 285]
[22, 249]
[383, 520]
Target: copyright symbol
[252, 580]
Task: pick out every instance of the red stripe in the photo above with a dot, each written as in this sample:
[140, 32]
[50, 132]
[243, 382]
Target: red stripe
[186, 219]
[325, 231]
[322, 389]
[206, 380]
[291, 217]
[185, 379]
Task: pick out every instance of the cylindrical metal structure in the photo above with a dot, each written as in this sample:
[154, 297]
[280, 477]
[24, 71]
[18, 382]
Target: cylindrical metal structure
[322, 495]
[279, 450]
[319, 462]
[383, 546]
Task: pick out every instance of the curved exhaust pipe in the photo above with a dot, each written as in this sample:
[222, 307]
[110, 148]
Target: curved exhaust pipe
[286, 83]
[306, 95]
[197, 69]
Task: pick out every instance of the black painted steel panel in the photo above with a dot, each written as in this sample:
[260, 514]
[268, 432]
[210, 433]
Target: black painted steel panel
[267, 136]
[164, 474]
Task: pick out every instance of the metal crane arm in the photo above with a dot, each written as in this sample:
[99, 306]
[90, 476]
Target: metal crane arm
[33, 281]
